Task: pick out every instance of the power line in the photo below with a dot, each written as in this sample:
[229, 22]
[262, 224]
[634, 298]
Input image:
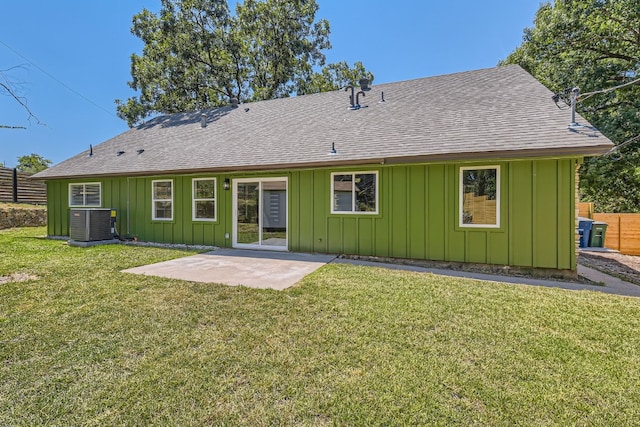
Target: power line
[615, 151]
[58, 81]
[588, 95]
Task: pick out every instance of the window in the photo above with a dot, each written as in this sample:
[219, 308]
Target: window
[480, 196]
[162, 199]
[85, 195]
[354, 192]
[204, 199]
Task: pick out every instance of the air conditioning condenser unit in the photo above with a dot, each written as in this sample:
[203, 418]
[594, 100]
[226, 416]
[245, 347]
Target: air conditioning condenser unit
[89, 225]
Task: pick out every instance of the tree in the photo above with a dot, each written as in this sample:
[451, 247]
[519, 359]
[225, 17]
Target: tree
[198, 54]
[10, 88]
[32, 163]
[594, 45]
[333, 77]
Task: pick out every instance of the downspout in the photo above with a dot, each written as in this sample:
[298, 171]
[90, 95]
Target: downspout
[128, 228]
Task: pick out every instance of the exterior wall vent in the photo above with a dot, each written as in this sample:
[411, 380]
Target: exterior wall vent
[89, 225]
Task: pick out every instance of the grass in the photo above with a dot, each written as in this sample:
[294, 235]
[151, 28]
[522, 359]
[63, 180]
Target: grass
[21, 205]
[84, 344]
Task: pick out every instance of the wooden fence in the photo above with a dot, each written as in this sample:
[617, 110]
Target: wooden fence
[623, 230]
[28, 190]
[585, 210]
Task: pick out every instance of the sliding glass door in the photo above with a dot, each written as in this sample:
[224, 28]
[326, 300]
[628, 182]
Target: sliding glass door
[260, 213]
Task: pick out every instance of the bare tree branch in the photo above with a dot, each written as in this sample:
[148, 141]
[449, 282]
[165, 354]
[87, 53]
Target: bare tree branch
[10, 90]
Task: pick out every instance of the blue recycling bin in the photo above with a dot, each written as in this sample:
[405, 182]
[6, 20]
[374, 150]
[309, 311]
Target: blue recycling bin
[584, 230]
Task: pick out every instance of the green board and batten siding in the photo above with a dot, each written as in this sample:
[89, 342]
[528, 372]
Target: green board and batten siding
[418, 214]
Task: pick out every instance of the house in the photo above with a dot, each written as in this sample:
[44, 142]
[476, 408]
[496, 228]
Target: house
[475, 167]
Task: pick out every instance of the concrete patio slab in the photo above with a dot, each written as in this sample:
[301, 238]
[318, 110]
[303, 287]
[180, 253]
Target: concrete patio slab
[239, 267]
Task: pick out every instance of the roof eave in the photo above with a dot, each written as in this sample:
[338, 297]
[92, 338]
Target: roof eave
[502, 155]
[336, 161]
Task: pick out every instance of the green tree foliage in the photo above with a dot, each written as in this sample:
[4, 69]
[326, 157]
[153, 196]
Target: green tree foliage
[333, 77]
[197, 54]
[32, 163]
[594, 45]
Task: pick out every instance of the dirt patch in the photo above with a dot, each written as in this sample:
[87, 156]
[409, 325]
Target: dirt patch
[625, 267]
[17, 277]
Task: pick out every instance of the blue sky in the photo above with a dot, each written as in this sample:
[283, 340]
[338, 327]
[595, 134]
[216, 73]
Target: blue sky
[73, 57]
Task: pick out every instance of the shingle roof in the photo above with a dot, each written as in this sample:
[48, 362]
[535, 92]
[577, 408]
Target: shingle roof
[493, 113]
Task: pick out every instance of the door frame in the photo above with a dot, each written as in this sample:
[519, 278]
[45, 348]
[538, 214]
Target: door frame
[234, 213]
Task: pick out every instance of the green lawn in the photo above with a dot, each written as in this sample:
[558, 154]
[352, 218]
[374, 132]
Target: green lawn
[83, 344]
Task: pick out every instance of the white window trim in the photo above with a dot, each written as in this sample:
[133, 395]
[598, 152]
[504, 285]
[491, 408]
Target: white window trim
[84, 205]
[154, 200]
[194, 200]
[353, 193]
[461, 197]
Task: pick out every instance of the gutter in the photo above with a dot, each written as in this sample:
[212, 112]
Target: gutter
[335, 161]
